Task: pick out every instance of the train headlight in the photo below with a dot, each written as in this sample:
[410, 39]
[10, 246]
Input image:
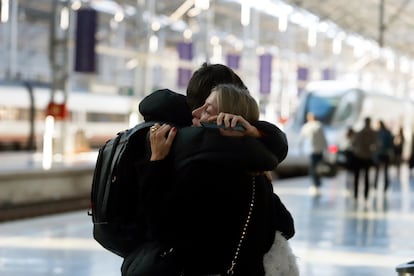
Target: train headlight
[333, 149]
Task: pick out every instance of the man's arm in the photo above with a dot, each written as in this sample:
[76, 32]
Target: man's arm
[273, 138]
[284, 221]
[270, 135]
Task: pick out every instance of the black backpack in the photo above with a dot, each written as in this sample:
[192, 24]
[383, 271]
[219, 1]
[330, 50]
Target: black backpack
[117, 218]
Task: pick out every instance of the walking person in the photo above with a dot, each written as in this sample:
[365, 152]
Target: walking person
[312, 130]
[346, 157]
[411, 158]
[215, 189]
[365, 144]
[384, 154]
[399, 143]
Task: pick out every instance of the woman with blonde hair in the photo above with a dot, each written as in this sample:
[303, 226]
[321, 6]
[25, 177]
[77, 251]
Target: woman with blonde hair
[238, 101]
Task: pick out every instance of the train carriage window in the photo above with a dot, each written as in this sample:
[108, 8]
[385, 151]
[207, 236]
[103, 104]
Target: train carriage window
[7, 113]
[347, 109]
[106, 117]
[344, 112]
[322, 106]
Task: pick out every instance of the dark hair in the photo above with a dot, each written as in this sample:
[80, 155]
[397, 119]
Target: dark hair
[205, 79]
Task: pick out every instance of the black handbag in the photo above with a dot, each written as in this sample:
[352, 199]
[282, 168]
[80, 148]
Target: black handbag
[152, 258]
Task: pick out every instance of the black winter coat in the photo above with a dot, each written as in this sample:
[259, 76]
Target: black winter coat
[198, 200]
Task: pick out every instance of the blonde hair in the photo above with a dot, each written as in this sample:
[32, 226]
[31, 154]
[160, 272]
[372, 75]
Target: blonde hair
[236, 100]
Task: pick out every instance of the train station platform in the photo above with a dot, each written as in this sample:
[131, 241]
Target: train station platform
[30, 186]
[335, 234]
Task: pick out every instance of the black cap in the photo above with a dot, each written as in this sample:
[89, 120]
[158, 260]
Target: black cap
[167, 106]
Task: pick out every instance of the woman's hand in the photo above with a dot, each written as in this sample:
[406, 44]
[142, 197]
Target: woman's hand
[230, 121]
[161, 138]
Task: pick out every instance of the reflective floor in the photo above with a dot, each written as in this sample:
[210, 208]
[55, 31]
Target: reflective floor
[335, 235]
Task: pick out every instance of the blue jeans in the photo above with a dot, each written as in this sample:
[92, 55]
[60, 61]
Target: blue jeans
[315, 158]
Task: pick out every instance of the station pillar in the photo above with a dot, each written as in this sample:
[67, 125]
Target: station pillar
[59, 62]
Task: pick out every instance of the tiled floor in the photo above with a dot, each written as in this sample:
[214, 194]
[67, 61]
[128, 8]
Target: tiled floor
[337, 235]
[334, 235]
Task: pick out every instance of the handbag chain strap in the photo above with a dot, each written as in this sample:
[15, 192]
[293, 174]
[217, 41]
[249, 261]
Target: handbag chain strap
[230, 271]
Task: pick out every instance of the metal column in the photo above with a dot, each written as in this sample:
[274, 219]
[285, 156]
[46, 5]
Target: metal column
[58, 56]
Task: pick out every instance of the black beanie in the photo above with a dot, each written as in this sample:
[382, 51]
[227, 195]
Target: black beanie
[164, 105]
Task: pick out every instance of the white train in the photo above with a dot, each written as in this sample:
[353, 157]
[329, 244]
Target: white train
[338, 106]
[92, 117]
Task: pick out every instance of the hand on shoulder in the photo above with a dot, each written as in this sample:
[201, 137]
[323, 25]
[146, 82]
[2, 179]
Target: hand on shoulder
[230, 121]
[161, 138]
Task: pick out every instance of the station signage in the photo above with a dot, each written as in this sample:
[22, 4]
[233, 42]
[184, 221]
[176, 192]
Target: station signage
[58, 110]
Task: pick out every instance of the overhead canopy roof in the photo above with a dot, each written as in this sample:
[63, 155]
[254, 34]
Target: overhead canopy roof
[389, 23]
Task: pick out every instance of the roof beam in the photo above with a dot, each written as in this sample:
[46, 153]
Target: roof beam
[381, 23]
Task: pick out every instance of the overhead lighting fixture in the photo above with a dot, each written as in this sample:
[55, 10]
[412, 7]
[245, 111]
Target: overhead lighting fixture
[188, 34]
[119, 16]
[64, 18]
[76, 5]
[245, 13]
[217, 54]
[260, 51]
[194, 12]
[390, 65]
[214, 40]
[337, 44]
[202, 4]
[404, 65]
[323, 27]
[238, 46]
[178, 13]
[358, 51]
[298, 18]
[153, 44]
[4, 16]
[312, 36]
[389, 57]
[283, 22]
[155, 26]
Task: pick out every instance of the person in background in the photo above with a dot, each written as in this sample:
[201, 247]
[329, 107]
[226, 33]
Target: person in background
[312, 130]
[411, 159]
[399, 142]
[345, 149]
[346, 156]
[365, 144]
[384, 154]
